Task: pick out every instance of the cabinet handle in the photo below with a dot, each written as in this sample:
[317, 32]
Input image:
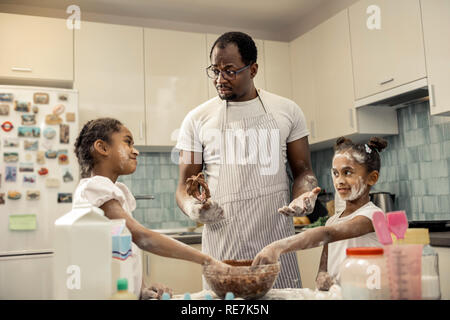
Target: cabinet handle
[313, 129]
[141, 129]
[350, 113]
[431, 95]
[387, 81]
[21, 69]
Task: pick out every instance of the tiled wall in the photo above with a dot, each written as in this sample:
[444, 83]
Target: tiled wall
[415, 166]
[157, 175]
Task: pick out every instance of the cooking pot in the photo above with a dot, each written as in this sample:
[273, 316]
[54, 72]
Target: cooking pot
[383, 200]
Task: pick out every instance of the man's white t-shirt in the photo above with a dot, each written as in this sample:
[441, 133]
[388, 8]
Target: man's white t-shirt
[200, 131]
[337, 250]
[97, 190]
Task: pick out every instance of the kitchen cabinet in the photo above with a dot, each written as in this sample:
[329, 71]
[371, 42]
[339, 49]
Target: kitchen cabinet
[390, 56]
[277, 68]
[303, 91]
[436, 32]
[35, 48]
[109, 75]
[260, 78]
[179, 275]
[175, 81]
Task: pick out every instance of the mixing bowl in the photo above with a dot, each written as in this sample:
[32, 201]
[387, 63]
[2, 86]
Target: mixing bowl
[242, 280]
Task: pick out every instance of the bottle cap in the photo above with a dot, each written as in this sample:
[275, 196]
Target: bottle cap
[364, 251]
[122, 284]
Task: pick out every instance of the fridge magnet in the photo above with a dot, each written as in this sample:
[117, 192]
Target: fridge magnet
[26, 167]
[4, 109]
[35, 109]
[63, 97]
[29, 179]
[70, 116]
[64, 197]
[52, 119]
[49, 133]
[52, 183]
[67, 177]
[22, 222]
[63, 133]
[7, 126]
[30, 145]
[40, 157]
[43, 171]
[14, 195]
[10, 174]
[63, 158]
[28, 119]
[40, 98]
[10, 142]
[9, 157]
[33, 194]
[2, 198]
[29, 132]
[58, 110]
[51, 154]
[6, 97]
[22, 106]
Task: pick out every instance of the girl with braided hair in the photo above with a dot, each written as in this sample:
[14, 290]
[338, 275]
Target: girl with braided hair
[355, 169]
[105, 151]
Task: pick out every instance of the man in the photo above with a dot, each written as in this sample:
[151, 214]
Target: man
[243, 139]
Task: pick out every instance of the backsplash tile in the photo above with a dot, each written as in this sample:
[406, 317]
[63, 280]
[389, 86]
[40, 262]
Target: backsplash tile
[415, 166]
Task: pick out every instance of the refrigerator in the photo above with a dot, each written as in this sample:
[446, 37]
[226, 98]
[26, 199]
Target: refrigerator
[38, 176]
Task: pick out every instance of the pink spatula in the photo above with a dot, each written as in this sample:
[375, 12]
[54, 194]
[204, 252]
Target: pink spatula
[381, 228]
[398, 223]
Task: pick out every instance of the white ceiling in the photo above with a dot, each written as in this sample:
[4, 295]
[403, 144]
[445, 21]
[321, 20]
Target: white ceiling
[270, 16]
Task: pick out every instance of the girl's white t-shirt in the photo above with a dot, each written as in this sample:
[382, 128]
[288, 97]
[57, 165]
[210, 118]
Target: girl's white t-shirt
[337, 250]
[97, 190]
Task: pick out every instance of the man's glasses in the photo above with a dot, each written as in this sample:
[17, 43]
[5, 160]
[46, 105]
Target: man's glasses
[213, 72]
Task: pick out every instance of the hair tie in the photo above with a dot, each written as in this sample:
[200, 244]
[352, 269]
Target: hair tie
[368, 149]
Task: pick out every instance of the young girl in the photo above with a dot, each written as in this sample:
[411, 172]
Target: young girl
[105, 151]
[355, 169]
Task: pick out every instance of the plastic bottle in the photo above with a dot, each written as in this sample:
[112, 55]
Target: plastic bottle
[430, 268]
[122, 291]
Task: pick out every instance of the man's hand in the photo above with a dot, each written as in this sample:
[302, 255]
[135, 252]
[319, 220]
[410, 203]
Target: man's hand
[155, 291]
[302, 205]
[268, 255]
[207, 212]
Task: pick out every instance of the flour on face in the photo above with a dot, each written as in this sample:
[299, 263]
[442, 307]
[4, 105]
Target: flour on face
[123, 157]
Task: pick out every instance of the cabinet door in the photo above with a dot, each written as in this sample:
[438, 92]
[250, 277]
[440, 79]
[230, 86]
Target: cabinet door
[333, 80]
[35, 48]
[436, 29]
[391, 56]
[277, 68]
[260, 78]
[303, 90]
[175, 81]
[109, 75]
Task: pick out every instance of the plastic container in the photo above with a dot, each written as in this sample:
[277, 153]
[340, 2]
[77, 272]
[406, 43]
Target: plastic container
[82, 261]
[429, 266]
[122, 291]
[363, 274]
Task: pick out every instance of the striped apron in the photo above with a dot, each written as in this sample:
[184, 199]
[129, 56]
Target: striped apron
[250, 202]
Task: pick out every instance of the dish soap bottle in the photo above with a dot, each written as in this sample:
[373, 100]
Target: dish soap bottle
[122, 291]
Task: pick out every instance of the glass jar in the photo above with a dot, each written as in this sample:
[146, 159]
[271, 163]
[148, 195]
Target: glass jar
[363, 274]
[430, 268]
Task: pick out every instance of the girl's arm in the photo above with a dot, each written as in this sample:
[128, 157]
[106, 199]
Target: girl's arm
[152, 241]
[315, 237]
